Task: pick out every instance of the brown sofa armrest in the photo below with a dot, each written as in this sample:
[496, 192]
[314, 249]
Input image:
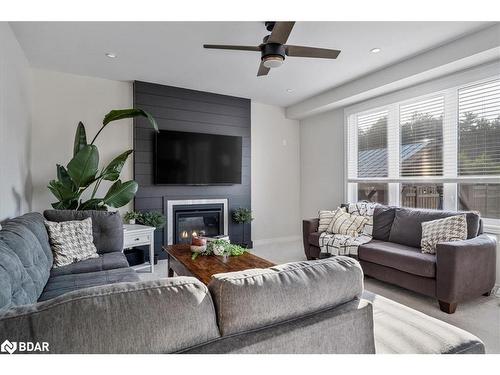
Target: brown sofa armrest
[465, 269]
[309, 226]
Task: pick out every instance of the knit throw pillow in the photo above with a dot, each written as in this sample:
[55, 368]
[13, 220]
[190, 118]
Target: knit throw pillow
[325, 218]
[347, 224]
[71, 241]
[453, 228]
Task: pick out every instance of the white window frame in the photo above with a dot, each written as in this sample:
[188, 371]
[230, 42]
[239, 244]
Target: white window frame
[450, 178]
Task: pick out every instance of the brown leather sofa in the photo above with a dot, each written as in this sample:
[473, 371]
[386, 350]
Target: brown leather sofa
[458, 271]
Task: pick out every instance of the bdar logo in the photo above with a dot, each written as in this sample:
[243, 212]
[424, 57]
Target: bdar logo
[9, 347]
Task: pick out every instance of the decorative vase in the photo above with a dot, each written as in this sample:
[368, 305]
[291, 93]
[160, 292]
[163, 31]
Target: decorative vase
[225, 258]
[218, 250]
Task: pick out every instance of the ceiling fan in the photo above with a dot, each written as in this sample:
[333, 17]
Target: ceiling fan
[273, 48]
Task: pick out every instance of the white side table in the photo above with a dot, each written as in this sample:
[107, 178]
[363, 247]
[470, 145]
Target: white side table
[140, 235]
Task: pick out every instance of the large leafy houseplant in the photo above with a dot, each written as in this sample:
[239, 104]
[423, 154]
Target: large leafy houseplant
[82, 171]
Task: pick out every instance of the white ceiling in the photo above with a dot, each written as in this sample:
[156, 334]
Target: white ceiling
[171, 53]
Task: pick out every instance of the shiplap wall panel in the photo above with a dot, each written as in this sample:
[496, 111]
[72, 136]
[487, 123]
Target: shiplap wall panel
[181, 109]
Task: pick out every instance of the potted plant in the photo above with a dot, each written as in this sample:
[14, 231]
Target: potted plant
[152, 219]
[242, 216]
[82, 171]
[220, 248]
[130, 217]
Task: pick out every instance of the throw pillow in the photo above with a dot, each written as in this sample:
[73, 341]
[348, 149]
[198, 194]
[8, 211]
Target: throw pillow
[325, 218]
[71, 241]
[453, 228]
[345, 223]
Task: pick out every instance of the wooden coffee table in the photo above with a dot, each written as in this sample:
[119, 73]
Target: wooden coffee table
[203, 267]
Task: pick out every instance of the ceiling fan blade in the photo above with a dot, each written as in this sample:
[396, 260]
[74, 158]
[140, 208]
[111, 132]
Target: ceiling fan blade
[281, 32]
[262, 70]
[321, 53]
[237, 48]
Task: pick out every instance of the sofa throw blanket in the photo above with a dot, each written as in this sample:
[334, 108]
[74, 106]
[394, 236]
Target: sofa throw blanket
[341, 244]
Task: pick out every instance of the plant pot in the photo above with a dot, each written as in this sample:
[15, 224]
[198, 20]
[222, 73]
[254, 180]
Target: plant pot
[131, 221]
[218, 250]
[225, 258]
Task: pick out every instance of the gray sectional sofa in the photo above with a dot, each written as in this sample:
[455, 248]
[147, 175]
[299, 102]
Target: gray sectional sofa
[459, 270]
[99, 306]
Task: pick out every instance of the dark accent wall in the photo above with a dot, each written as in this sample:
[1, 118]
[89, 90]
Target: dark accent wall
[181, 109]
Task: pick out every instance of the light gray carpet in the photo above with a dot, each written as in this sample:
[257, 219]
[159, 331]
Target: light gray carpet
[480, 316]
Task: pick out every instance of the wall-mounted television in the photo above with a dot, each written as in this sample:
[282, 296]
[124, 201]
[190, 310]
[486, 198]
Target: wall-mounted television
[183, 158]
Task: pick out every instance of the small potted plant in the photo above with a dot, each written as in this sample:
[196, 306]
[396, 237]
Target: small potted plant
[220, 248]
[131, 216]
[152, 219]
[242, 216]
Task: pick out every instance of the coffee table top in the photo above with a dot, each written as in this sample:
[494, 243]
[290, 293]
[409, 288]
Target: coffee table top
[203, 267]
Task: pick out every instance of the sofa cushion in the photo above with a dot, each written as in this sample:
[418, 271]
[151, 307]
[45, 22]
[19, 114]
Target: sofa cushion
[16, 286]
[453, 228]
[107, 227]
[407, 226]
[19, 235]
[401, 257]
[347, 224]
[61, 284]
[255, 298]
[383, 217]
[35, 222]
[314, 238]
[104, 262]
[71, 241]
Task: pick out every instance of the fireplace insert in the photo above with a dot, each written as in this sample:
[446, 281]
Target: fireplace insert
[197, 220]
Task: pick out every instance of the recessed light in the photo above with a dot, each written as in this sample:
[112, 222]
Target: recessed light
[289, 90]
[111, 55]
[375, 50]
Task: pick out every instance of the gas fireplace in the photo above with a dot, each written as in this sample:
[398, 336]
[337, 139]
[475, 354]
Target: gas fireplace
[187, 219]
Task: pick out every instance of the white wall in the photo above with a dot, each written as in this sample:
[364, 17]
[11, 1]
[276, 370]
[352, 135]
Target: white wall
[15, 126]
[322, 162]
[275, 175]
[60, 100]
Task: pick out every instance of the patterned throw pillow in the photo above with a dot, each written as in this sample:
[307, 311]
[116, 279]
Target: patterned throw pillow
[345, 223]
[325, 218]
[453, 228]
[71, 241]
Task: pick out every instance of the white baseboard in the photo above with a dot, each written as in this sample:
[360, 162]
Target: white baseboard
[270, 241]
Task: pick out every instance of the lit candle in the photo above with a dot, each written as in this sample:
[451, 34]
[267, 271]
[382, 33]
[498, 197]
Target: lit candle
[194, 234]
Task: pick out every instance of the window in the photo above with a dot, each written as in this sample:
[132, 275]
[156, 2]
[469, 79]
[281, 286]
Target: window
[372, 145]
[373, 193]
[479, 129]
[440, 151]
[421, 150]
[484, 198]
[422, 196]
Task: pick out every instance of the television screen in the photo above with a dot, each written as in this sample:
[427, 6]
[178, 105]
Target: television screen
[183, 158]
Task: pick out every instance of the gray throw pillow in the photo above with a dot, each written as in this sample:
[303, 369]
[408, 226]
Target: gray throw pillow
[453, 228]
[71, 241]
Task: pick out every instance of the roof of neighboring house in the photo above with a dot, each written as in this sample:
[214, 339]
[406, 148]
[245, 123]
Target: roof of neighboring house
[373, 163]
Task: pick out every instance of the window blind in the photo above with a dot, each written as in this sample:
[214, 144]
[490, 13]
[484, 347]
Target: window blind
[479, 129]
[372, 144]
[421, 138]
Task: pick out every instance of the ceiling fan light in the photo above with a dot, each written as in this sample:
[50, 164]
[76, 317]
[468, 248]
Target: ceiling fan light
[272, 61]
